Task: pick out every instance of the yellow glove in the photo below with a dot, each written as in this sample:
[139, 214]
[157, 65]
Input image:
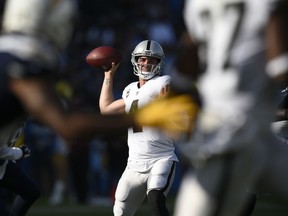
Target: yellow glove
[176, 115]
[17, 139]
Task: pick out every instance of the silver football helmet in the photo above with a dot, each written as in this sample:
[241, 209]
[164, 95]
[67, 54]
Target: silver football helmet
[147, 48]
[52, 20]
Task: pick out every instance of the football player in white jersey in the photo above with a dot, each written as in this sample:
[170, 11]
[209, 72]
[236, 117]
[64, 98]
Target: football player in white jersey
[151, 162]
[33, 35]
[243, 46]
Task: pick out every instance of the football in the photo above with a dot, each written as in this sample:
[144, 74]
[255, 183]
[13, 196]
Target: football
[103, 56]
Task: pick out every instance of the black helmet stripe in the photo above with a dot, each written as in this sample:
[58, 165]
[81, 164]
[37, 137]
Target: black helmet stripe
[148, 45]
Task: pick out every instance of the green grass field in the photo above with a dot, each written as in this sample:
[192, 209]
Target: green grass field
[267, 206]
[264, 207]
[42, 209]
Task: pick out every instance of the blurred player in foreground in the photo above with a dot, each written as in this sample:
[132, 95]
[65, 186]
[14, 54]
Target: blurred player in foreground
[34, 33]
[241, 46]
[151, 162]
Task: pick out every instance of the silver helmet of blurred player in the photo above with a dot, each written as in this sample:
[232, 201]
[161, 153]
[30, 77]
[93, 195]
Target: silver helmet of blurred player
[47, 19]
[147, 48]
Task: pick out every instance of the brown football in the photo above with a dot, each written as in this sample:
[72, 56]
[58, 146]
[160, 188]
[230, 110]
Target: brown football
[103, 56]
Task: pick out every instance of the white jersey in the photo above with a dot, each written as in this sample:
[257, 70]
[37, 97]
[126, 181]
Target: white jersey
[228, 28]
[234, 85]
[233, 148]
[146, 144]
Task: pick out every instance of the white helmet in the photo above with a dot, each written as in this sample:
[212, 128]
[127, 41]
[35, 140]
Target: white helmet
[148, 48]
[51, 20]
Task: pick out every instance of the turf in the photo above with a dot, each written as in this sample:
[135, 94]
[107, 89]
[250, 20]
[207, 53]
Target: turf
[42, 209]
[265, 206]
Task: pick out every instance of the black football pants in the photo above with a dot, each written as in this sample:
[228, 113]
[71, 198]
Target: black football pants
[25, 188]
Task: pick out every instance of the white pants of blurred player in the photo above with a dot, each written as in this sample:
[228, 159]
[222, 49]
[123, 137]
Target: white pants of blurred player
[233, 149]
[133, 186]
[223, 183]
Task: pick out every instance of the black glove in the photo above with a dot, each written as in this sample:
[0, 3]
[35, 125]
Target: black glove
[25, 150]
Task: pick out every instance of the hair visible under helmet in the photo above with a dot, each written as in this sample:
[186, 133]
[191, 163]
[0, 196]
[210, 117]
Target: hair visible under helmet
[148, 48]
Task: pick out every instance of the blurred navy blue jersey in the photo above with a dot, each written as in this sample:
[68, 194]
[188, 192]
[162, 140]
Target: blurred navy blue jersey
[12, 112]
[11, 68]
[33, 35]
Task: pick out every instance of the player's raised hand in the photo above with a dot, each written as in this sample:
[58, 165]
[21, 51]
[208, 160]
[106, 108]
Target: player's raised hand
[112, 69]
